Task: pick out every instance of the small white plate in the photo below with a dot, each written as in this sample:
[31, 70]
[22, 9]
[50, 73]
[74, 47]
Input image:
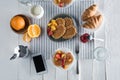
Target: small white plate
[40, 10]
[66, 50]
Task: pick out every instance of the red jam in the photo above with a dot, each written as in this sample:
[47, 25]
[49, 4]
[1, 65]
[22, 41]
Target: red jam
[84, 38]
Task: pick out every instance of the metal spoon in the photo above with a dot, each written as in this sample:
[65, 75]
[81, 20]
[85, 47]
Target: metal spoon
[92, 38]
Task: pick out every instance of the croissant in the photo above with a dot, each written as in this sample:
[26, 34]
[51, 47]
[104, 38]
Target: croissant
[93, 22]
[89, 12]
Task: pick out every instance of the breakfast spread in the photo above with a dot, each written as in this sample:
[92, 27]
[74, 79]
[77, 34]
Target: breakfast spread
[62, 3]
[62, 59]
[91, 18]
[61, 28]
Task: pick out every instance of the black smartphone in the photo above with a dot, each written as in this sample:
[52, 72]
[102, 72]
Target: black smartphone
[40, 64]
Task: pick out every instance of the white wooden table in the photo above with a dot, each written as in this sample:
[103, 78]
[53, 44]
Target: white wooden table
[20, 70]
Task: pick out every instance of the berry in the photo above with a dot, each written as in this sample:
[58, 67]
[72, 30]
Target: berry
[63, 63]
[61, 4]
[84, 38]
[48, 30]
[58, 56]
[50, 33]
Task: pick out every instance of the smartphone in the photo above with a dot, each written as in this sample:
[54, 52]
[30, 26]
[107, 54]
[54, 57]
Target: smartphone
[40, 64]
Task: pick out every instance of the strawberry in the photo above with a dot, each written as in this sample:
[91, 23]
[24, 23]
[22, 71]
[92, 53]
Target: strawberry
[63, 63]
[61, 4]
[48, 30]
[50, 33]
[58, 56]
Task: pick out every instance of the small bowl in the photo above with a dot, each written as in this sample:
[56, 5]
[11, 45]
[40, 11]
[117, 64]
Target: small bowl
[35, 13]
[27, 23]
[66, 6]
[66, 50]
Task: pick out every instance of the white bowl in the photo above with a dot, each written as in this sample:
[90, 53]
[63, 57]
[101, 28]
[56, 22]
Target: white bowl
[36, 11]
[66, 50]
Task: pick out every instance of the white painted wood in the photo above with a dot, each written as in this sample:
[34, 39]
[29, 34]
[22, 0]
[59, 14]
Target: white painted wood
[51, 74]
[86, 69]
[72, 75]
[9, 69]
[61, 74]
[8, 40]
[98, 70]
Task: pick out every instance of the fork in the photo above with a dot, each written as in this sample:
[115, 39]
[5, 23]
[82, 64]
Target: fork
[105, 71]
[77, 54]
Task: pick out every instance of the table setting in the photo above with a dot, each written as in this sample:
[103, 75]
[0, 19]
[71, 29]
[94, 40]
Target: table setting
[56, 36]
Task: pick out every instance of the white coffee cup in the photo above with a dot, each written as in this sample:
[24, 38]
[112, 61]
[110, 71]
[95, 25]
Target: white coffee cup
[37, 11]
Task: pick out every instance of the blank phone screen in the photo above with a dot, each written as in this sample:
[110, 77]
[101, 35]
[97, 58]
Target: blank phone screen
[39, 64]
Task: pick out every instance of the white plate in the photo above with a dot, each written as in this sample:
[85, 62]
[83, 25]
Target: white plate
[62, 16]
[66, 50]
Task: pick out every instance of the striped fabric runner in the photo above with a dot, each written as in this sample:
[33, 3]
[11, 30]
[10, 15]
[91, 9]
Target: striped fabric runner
[44, 45]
